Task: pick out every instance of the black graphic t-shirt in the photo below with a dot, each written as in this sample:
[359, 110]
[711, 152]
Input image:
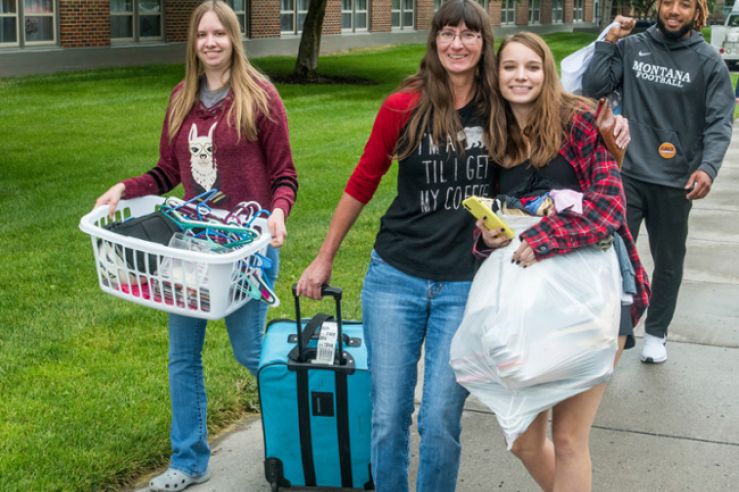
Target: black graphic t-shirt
[426, 232]
[525, 180]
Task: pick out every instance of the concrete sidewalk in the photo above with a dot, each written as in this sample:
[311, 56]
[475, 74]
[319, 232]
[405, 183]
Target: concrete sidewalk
[671, 427]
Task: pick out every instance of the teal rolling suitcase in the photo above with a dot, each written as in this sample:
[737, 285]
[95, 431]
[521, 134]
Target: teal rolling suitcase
[316, 417]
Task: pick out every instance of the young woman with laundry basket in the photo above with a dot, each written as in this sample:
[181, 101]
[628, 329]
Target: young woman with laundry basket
[225, 128]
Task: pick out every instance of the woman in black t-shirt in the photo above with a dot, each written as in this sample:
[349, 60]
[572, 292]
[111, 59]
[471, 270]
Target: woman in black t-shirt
[421, 268]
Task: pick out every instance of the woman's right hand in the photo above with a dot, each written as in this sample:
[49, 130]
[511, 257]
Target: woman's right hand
[314, 276]
[111, 197]
[493, 238]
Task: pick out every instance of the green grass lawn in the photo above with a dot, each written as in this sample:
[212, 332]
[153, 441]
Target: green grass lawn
[83, 375]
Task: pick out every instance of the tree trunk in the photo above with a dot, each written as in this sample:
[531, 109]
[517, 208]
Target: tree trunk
[306, 65]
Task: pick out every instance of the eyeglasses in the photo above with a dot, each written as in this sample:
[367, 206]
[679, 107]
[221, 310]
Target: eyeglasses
[468, 38]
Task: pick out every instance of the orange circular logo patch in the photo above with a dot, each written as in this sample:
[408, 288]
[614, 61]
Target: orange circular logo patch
[667, 150]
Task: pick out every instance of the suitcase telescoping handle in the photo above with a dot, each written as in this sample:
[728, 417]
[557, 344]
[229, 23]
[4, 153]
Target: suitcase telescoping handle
[304, 336]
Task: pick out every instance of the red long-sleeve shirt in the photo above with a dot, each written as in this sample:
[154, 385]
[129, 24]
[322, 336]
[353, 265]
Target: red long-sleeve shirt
[425, 231]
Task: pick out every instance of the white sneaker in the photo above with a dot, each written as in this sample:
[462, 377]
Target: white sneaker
[173, 479]
[654, 350]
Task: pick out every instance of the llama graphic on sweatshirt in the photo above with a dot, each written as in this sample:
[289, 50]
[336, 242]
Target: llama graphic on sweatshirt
[202, 163]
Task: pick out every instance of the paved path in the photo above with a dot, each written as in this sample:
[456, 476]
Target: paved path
[672, 427]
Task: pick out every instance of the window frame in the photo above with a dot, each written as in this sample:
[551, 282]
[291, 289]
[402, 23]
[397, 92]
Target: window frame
[135, 16]
[507, 8]
[353, 16]
[534, 12]
[575, 9]
[12, 15]
[402, 12]
[295, 12]
[53, 15]
[245, 14]
[20, 16]
[558, 11]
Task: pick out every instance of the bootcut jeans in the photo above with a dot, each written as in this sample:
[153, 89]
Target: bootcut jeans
[401, 314]
[189, 431]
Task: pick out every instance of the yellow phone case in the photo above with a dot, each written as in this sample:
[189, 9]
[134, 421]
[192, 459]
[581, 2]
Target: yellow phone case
[477, 207]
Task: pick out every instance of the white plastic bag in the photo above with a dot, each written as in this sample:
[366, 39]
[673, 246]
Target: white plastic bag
[573, 67]
[532, 337]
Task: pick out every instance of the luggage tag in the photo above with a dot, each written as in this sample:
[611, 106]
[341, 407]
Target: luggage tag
[326, 344]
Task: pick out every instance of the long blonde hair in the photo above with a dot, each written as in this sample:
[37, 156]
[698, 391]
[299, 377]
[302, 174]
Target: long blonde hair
[247, 83]
[435, 108]
[549, 121]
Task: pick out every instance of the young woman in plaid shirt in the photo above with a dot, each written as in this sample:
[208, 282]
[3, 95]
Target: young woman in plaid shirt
[545, 138]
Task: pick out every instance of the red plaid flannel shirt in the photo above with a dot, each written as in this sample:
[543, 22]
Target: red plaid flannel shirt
[604, 207]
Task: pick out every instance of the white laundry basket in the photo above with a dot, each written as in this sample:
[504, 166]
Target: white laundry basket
[198, 284]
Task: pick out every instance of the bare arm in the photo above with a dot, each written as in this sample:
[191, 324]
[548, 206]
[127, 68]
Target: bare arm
[319, 271]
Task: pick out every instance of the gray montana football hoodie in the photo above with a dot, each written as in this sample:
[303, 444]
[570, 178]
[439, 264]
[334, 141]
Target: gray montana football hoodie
[678, 98]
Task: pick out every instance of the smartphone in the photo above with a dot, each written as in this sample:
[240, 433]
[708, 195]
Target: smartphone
[479, 208]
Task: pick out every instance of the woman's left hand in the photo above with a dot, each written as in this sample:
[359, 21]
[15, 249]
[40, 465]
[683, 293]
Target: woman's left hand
[276, 226]
[524, 255]
[621, 132]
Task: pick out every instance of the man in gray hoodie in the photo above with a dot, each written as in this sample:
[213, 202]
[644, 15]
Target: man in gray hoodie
[677, 96]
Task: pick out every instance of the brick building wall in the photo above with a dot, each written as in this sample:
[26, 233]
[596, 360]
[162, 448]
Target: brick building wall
[494, 9]
[176, 19]
[380, 16]
[332, 19]
[84, 23]
[522, 12]
[264, 19]
[545, 11]
[587, 11]
[424, 14]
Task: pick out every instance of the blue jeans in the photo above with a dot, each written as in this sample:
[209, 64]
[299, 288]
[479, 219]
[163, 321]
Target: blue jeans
[400, 312]
[189, 432]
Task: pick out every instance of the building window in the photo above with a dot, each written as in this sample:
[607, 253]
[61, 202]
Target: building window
[292, 15]
[353, 15]
[8, 23]
[437, 4]
[135, 20]
[239, 7]
[535, 12]
[557, 11]
[38, 18]
[508, 12]
[402, 14]
[577, 11]
[483, 4]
